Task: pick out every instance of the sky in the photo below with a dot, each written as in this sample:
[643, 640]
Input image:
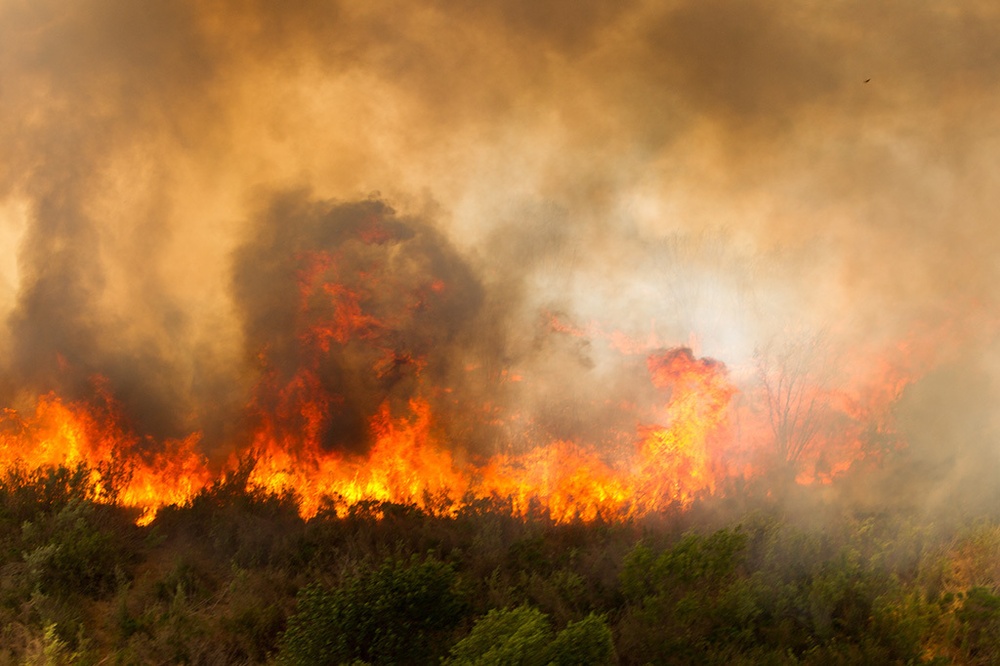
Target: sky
[732, 175]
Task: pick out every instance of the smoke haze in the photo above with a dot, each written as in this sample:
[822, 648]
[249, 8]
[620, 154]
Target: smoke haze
[731, 175]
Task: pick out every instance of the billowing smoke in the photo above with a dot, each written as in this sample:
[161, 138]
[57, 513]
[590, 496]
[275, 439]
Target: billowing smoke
[366, 304]
[560, 187]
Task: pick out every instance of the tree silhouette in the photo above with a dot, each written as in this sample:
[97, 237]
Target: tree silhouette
[795, 394]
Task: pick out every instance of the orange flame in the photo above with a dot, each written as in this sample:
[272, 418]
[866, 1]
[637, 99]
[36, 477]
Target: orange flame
[671, 463]
[683, 450]
[61, 434]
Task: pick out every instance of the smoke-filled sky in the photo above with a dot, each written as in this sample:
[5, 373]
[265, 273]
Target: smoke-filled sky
[724, 173]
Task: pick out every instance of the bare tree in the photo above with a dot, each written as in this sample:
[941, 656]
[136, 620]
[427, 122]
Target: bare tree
[795, 394]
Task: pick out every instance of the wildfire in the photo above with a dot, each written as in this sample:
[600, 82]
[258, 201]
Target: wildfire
[677, 460]
[347, 408]
[671, 463]
[121, 467]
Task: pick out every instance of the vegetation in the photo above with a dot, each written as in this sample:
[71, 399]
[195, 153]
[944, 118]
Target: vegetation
[237, 576]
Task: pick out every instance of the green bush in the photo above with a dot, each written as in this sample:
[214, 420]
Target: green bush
[515, 637]
[75, 551]
[701, 561]
[585, 642]
[681, 601]
[979, 634]
[522, 636]
[386, 616]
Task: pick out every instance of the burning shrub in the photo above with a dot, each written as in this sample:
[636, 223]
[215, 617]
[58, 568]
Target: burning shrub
[25, 494]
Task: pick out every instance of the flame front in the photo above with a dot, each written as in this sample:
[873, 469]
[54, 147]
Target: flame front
[121, 469]
[347, 407]
[672, 463]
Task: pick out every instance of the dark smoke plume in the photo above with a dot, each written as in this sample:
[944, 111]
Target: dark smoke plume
[371, 305]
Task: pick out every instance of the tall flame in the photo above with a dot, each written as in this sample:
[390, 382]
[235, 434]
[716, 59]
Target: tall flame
[350, 321]
[672, 462]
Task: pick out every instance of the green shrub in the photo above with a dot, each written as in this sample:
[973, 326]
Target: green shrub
[581, 643]
[387, 616]
[514, 637]
[980, 626]
[522, 636]
[75, 551]
[697, 560]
